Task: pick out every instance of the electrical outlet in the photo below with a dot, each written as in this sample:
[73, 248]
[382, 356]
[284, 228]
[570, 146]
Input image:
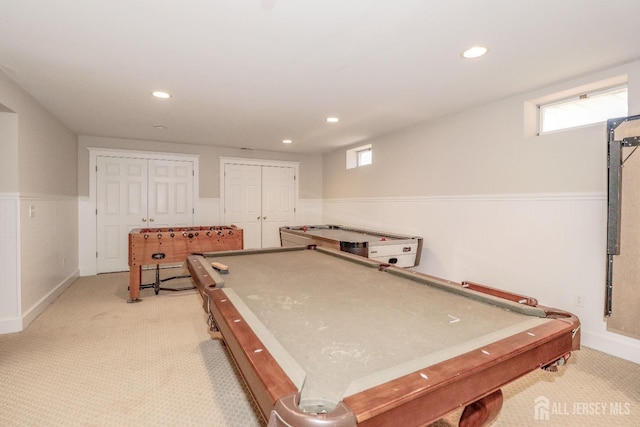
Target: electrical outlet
[32, 211]
[579, 300]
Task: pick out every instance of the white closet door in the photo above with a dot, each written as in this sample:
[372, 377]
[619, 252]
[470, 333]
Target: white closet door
[170, 193]
[259, 199]
[243, 200]
[138, 193]
[277, 203]
[121, 206]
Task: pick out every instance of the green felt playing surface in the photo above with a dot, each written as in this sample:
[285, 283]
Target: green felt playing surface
[335, 319]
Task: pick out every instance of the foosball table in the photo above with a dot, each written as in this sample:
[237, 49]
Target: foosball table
[155, 246]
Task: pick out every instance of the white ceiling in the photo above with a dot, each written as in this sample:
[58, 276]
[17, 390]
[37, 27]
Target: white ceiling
[250, 73]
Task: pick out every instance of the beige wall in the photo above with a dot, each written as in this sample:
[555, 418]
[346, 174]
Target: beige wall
[496, 204]
[310, 164]
[8, 151]
[47, 149]
[482, 151]
[40, 177]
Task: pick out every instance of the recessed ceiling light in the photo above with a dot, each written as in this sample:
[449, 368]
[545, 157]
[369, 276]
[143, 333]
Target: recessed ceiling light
[474, 52]
[333, 119]
[287, 141]
[160, 94]
[159, 127]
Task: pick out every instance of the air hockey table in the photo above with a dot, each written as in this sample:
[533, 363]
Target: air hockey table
[390, 248]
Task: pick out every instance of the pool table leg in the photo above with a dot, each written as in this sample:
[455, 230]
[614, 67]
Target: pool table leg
[135, 277]
[482, 411]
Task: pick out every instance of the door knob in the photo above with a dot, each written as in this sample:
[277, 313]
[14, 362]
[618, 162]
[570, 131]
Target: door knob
[144, 219]
[264, 217]
[150, 219]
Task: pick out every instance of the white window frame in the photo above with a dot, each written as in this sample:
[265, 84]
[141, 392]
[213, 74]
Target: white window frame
[575, 99]
[355, 156]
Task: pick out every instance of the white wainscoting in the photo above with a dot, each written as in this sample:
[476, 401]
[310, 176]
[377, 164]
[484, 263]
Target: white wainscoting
[40, 255]
[86, 236]
[309, 212]
[549, 246]
[10, 305]
[48, 250]
[207, 212]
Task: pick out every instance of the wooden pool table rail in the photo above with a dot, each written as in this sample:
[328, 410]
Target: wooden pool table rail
[417, 398]
[511, 301]
[262, 373]
[449, 385]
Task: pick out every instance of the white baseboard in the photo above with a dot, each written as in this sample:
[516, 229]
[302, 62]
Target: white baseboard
[17, 324]
[615, 345]
[8, 326]
[33, 312]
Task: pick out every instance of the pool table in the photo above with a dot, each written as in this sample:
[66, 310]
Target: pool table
[327, 338]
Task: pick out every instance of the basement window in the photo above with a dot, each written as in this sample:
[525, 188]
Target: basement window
[584, 109]
[359, 156]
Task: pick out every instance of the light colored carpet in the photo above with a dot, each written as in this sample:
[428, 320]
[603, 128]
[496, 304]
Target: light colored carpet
[91, 359]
